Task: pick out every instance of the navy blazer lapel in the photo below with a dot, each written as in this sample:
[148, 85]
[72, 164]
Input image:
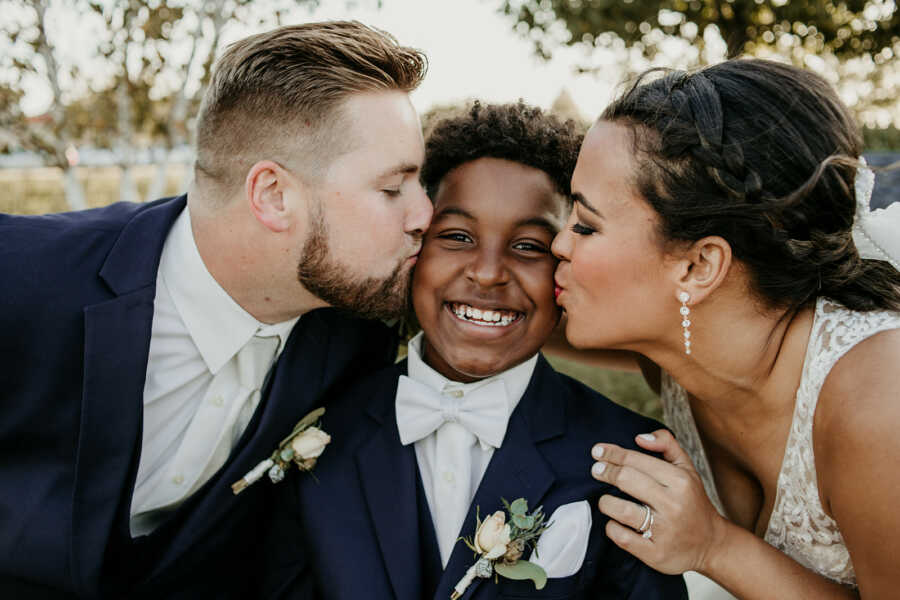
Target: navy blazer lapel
[116, 346]
[387, 474]
[517, 469]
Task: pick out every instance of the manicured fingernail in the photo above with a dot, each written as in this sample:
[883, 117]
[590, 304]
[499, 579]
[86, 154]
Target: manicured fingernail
[648, 437]
[597, 452]
[598, 468]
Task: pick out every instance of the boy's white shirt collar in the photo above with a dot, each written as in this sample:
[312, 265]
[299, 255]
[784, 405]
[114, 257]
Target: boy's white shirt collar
[217, 324]
[515, 379]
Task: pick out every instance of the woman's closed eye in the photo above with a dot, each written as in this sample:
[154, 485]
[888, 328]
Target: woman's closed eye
[580, 229]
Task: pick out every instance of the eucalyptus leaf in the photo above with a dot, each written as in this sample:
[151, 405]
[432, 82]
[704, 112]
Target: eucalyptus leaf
[523, 522]
[519, 507]
[522, 569]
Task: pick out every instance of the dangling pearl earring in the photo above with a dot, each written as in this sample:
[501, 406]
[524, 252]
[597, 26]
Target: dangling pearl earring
[684, 298]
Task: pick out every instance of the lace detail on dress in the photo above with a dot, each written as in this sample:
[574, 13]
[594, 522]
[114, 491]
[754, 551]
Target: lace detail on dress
[798, 526]
[678, 416]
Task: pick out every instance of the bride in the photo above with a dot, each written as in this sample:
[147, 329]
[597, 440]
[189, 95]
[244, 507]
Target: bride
[721, 232]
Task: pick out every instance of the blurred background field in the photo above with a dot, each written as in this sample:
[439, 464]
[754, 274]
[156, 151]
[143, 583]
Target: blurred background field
[39, 190]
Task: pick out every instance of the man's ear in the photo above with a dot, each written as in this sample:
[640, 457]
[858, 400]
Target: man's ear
[265, 188]
[703, 267]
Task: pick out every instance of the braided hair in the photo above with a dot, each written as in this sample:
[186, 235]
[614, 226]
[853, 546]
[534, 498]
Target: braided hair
[763, 155]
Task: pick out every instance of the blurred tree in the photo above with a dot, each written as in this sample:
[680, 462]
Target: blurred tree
[852, 43]
[120, 74]
[846, 27]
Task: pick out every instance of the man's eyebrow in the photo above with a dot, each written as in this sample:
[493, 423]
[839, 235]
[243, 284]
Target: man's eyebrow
[579, 199]
[404, 169]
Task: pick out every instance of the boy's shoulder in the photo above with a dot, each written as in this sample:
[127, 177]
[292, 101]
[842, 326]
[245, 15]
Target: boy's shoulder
[590, 413]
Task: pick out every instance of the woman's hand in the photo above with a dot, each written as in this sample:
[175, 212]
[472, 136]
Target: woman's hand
[685, 526]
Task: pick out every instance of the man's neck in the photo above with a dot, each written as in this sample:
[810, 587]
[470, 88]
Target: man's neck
[236, 254]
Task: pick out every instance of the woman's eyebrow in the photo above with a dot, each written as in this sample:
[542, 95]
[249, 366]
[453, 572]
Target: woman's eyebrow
[579, 199]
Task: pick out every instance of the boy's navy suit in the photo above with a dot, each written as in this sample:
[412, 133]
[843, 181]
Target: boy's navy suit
[76, 310]
[362, 521]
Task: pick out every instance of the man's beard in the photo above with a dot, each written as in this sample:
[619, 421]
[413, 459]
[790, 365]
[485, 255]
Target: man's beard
[325, 277]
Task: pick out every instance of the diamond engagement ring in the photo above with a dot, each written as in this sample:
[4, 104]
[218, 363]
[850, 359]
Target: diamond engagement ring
[646, 528]
[648, 520]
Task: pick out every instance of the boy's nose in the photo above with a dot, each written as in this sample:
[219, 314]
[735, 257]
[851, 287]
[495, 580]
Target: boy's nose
[487, 269]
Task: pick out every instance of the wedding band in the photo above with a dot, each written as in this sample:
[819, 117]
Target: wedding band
[648, 534]
[648, 519]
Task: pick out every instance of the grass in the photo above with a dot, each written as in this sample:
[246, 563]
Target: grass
[626, 388]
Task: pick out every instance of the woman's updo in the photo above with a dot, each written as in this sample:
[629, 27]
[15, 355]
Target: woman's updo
[763, 155]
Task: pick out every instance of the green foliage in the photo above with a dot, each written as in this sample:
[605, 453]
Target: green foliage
[847, 28]
[625, 388]
[522, 569]
[881, 139]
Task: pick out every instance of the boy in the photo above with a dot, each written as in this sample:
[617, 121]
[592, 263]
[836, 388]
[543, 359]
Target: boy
[474, 415]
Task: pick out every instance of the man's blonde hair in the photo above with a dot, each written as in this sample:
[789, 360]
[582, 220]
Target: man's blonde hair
[276, 95]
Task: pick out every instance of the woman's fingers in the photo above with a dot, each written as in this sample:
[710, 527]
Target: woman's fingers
[624, 511]
[663, 442]
[632, 480]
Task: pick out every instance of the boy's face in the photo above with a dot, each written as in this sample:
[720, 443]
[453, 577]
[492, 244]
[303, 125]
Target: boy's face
[483, 286]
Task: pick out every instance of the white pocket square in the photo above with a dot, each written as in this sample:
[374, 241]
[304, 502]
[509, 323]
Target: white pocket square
[561, 548]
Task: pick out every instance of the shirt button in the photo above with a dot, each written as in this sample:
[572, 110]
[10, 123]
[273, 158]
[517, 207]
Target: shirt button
[178, 479]
[217, 400]
[448, 477]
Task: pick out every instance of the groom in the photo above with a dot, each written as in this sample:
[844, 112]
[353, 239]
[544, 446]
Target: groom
[153, 354]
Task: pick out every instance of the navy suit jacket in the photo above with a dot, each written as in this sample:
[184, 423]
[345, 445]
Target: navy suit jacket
[76, 309]
[362, 521]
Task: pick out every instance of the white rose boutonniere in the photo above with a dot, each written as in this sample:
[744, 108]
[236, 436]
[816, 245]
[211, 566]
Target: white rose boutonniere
[302, 447]
[499, 545]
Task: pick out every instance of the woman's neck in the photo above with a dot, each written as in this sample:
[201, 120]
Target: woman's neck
[746, 361]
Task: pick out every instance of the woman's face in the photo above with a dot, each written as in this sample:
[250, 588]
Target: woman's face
[612, 279]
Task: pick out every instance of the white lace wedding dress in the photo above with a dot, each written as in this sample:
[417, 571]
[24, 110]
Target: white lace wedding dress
[798, 525]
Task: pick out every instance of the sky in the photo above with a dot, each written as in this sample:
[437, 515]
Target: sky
[474, 52]
[472, 49]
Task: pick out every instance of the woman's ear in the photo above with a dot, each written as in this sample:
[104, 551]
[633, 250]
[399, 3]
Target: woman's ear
[704, 267]
[265, 188]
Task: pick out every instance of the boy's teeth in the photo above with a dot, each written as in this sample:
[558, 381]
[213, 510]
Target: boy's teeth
[487, 317]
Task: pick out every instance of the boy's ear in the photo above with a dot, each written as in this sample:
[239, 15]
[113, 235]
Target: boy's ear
[703, 267]
[266, 189]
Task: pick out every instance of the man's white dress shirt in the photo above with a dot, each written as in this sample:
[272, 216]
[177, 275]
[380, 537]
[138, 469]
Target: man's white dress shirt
[208, 360]
[452, 460]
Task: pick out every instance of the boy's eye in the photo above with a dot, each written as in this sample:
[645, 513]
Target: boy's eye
[392, 193]
[530, 247]
[580, 229]
[455, 236]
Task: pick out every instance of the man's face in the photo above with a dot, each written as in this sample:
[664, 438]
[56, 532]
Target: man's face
[369, 210]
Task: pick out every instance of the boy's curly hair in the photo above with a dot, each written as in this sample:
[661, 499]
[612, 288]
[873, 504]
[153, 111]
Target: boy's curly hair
[515, 131]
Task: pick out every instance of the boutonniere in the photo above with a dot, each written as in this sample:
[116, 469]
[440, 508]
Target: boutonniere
[499, 543]
[302, 447]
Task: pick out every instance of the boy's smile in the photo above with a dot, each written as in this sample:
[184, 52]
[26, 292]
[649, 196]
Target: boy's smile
[483, 286]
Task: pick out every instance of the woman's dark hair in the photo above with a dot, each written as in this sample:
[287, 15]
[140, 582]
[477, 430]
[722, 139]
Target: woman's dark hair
[517, 132]
[764, 155]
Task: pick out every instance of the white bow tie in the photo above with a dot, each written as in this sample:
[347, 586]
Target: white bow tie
[421, 410]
